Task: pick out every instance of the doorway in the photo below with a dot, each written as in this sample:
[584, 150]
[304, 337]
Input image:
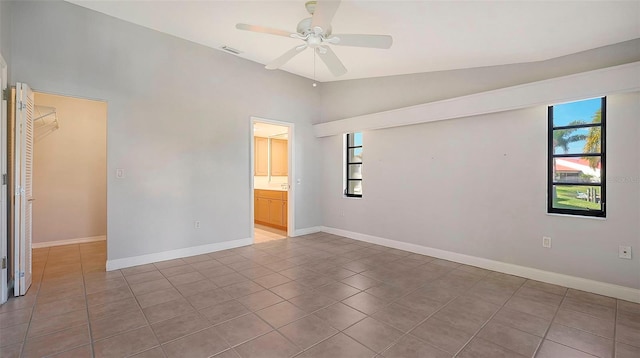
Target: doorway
[271, 191]
[56, 153]
[67, 174]
[69, 180]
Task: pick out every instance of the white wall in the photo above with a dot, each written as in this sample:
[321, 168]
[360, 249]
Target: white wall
[69, 171]
[477, 186]
[178, 121]
[5, 30]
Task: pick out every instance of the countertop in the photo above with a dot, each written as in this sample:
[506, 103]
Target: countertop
[273, 188]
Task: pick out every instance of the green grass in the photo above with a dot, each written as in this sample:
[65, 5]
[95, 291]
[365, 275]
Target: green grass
[566, 198]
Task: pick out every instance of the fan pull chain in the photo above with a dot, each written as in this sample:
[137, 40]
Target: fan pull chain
[314, 69]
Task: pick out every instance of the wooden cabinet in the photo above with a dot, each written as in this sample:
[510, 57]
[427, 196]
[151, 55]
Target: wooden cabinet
[275, 212]
[279, 162]
[262, 209]
[261, 156]
[270, 208]
[278, 153]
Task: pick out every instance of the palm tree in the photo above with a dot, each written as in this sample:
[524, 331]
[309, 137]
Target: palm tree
[593, 140]
[563, 137]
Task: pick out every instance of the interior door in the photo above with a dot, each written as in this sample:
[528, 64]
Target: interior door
[3, 188]
[23, 192]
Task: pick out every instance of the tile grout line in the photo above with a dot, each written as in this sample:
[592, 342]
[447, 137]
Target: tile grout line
[490, 318]
[430, 315]
[394, 301]
[302, 350]
[615, 327]
[160, 344]
[555, 314]
[33, 308]
[414, 327]
[583, 330]
[589, 314]
[86, 305]
[128, 330]
[381, 353]
[231, 347]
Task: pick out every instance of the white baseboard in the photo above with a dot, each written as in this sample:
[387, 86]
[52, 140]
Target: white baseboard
[175, 254]
[80, 240]
[601, 288]
[307, 231]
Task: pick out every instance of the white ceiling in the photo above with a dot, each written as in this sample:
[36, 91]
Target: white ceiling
[428, 35]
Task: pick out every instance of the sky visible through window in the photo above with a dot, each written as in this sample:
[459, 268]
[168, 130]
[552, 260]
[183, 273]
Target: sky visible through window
[564, 114]
[357, 139]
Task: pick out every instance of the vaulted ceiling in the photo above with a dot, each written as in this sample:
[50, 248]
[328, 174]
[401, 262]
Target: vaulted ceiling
[428, 35]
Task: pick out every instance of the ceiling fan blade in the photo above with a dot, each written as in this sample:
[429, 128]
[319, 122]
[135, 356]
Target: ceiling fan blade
[263, 29]
[323, 13]
[332, 61]
[373, 41]
[280, 61]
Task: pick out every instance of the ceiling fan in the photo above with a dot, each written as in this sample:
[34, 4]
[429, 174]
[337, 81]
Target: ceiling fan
[315, 31]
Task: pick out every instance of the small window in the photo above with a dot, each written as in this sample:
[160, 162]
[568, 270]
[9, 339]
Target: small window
[576, 179]
[353, 170]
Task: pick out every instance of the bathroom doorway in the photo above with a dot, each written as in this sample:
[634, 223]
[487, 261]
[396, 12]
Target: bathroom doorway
[271, 166]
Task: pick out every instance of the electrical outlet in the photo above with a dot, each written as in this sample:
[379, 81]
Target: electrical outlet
[546, 242]
[119, 173]
[624, 252]
[196, 224]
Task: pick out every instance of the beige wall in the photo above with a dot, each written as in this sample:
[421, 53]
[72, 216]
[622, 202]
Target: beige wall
[70, 183]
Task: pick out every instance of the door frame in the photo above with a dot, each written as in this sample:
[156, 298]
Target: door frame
[4, 254]
[290, 174]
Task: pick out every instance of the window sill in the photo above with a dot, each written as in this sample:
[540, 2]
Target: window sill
[352, 197]
[577, 216]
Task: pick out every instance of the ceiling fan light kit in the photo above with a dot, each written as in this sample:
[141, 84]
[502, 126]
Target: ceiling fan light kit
[316, 33]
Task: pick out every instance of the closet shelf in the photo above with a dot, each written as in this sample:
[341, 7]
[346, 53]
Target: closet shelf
[45, 121]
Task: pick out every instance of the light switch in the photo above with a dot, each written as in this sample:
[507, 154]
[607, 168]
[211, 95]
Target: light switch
[119, 173]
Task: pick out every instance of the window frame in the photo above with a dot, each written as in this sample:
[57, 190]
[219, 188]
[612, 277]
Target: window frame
[348, 163]
[602, 213]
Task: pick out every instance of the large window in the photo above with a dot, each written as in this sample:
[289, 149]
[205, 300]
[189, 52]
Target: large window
[353, 169]
[577, 158]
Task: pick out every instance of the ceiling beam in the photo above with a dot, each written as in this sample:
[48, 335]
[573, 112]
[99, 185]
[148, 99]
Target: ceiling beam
[602, 82]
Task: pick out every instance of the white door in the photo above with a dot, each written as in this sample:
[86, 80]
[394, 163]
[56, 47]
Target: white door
[23, 193]
[3, 185]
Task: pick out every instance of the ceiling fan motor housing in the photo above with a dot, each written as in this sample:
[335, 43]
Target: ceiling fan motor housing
[304, 28]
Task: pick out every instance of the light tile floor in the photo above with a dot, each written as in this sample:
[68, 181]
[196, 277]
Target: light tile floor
[314, 296]
[265, 233]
